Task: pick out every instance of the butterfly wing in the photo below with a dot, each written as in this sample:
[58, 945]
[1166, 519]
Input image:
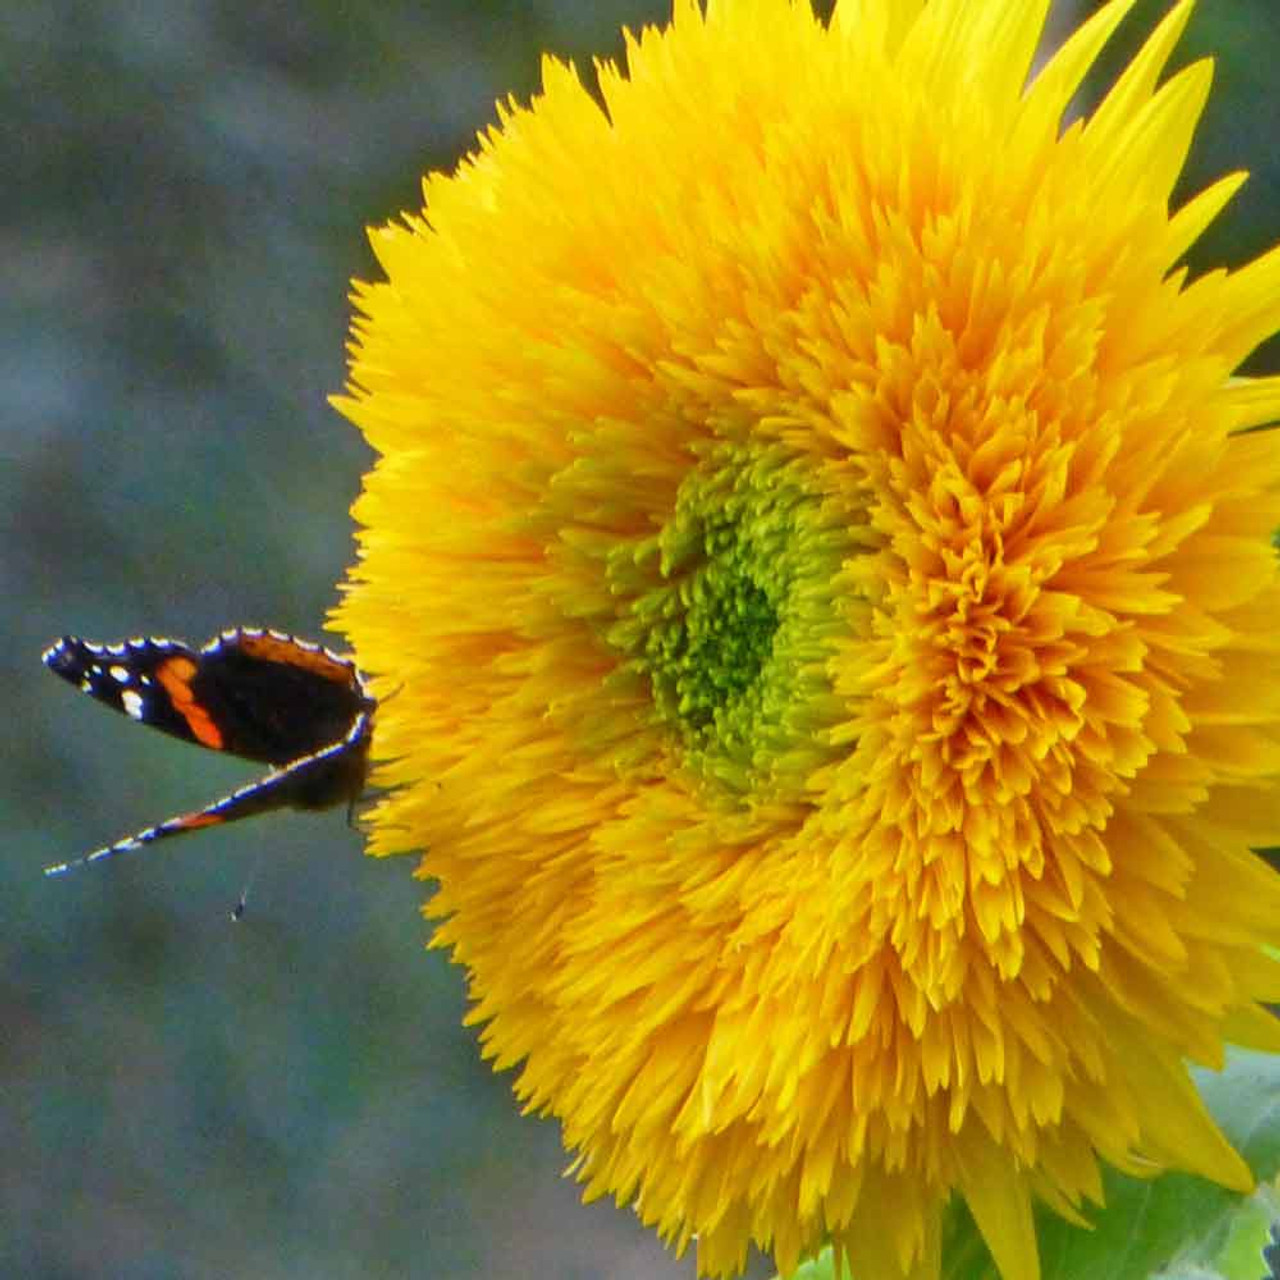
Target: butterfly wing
[143, 679]
[276, 698]
[326, 777]
[257, 694]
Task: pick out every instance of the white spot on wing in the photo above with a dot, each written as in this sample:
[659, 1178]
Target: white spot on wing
[133, 703]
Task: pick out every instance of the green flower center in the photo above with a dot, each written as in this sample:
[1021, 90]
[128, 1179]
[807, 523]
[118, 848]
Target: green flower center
[733, 610]
[712, 655]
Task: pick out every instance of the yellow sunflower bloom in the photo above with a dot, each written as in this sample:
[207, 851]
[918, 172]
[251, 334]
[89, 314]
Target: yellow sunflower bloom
[824, 572]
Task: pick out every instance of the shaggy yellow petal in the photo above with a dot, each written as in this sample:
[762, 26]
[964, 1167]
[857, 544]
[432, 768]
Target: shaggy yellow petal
[1050, 93]
[818, 571]
[998, 1197]
[1138, 83]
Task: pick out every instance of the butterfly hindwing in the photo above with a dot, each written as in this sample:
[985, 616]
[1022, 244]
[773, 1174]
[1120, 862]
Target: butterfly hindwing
[276, 698]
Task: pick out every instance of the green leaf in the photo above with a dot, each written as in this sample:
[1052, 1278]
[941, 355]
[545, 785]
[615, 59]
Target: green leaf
[1178, 1226]
[821, 1268]
[1249, 1231]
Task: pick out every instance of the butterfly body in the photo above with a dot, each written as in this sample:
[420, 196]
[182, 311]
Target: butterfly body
[254, 693]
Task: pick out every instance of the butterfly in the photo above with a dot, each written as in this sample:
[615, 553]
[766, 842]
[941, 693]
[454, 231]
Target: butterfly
[255, 693]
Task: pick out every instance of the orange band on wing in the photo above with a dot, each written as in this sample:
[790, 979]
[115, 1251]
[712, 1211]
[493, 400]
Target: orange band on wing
[285, 650]
[176, 675]
[190, 821]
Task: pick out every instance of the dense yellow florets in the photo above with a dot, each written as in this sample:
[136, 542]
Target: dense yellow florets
[831, 609]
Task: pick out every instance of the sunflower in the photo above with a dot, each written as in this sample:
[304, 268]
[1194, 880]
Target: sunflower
[824, 567]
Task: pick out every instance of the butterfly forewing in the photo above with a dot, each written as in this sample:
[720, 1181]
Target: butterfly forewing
[127, 677]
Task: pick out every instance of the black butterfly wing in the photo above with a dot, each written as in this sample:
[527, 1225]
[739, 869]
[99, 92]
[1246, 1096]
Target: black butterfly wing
[258, 694]
[276, 698]
[137, 678]
[335, 773]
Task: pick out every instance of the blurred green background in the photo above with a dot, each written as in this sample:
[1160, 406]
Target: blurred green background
[187, 184]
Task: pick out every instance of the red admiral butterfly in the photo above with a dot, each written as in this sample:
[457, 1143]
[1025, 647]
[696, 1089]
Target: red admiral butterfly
[257, 694]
